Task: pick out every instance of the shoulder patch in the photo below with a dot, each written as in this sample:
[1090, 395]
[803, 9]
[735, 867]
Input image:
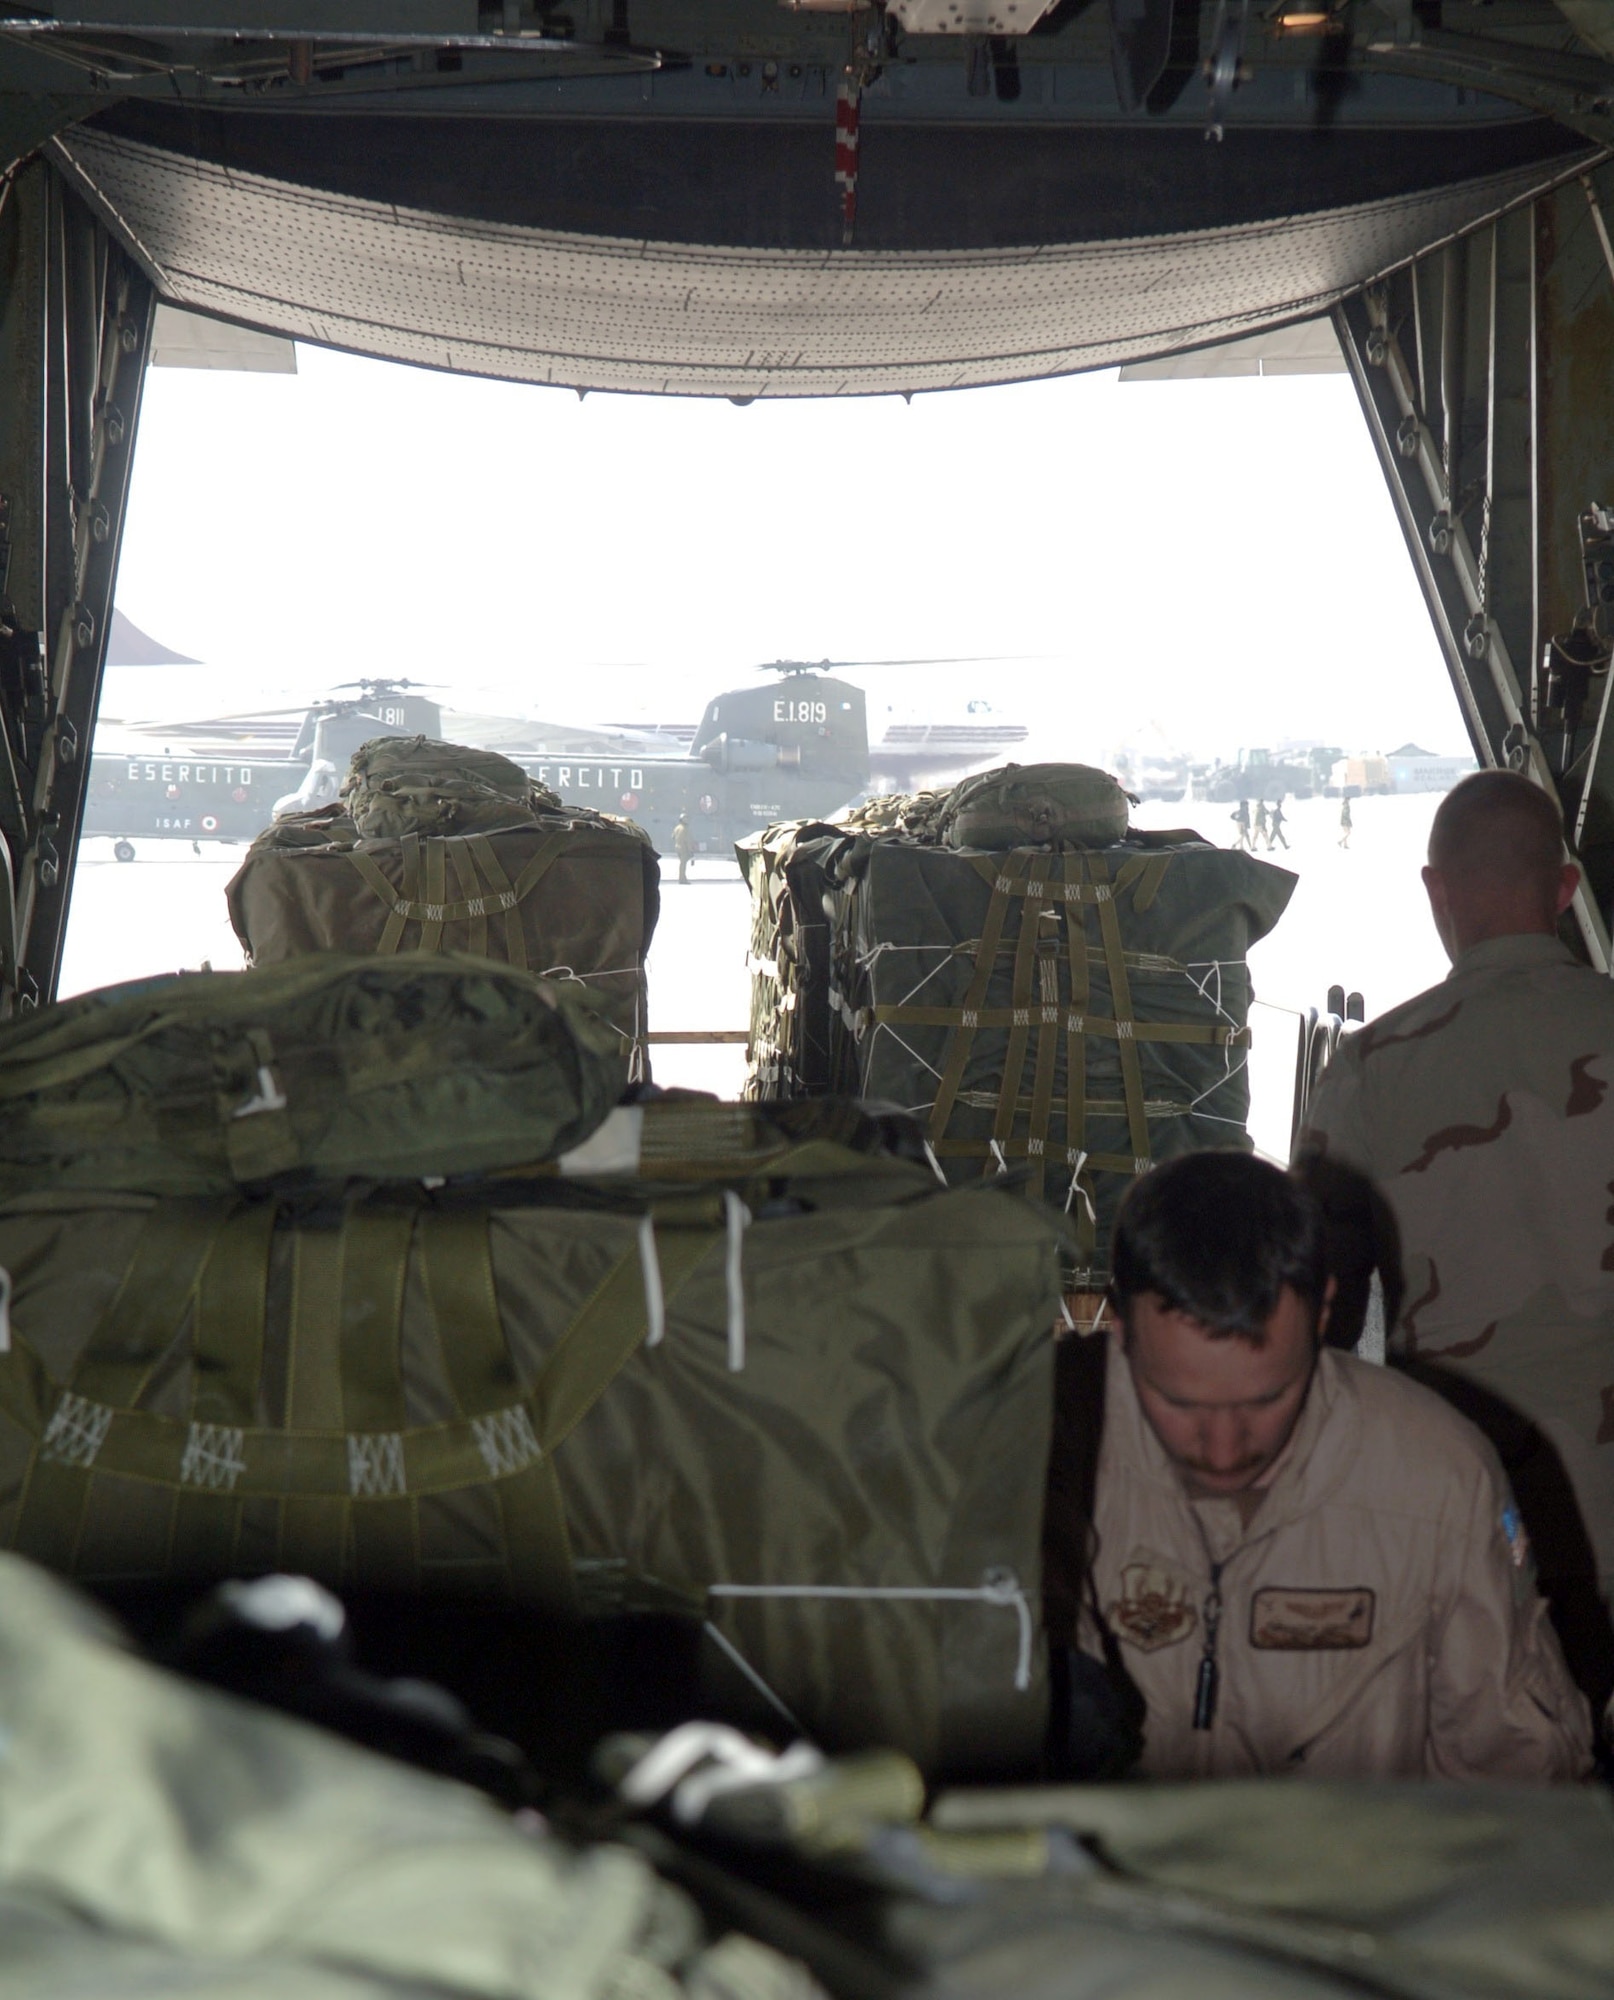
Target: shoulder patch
[1518, 1540]
[1284, 1620]
[1153, 1609]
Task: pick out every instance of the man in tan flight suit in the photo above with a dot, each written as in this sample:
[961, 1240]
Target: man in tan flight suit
[1309, 1564]
[1485, 1112]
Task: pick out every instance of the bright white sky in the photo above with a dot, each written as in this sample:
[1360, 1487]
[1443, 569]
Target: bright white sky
[1219, 557]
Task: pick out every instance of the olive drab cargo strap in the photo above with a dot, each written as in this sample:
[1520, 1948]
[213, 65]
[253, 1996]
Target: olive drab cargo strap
[1126, 1022]
[1045, 887]
[964, 1020]
[435, 870]
[375, 1263]
[348, 1468]
[508, 896]
[137, 1329]
[1025, 965]
[457, 1262]
[226, 1369]
[1081, 999]
[423, 897]
[314, 1526]
[462, 865]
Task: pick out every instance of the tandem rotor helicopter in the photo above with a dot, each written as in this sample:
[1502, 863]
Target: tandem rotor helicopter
[794, 747]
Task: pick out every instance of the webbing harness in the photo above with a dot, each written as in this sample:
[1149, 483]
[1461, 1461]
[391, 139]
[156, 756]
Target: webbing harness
[1046, 888]
[484, 891]
[348, 1468]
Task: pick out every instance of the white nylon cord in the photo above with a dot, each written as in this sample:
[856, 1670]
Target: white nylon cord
[935, 1164]
[699, 1761]
[5, 1310]
[998, 1586]
[885, 1028]
[739, 1221]
[1076, 1188]
[564, 972]
[655, 1303]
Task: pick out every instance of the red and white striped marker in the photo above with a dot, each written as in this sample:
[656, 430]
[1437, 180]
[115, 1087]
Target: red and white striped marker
[848, 111]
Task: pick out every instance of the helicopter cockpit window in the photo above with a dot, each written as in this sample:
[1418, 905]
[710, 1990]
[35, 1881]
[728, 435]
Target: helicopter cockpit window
[713, 665]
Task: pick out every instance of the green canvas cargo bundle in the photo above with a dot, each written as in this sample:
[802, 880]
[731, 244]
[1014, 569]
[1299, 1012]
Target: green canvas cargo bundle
[160, 1838]
[1078, 1012]
[329, 1069]
[791, 1381]
[791, 1051]
[438, 847]
[1265, 1889]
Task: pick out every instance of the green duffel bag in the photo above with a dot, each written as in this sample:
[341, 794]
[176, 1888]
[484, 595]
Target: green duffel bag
[788, 1380]
[412, 784]
[323, 1069]
[1034, 805]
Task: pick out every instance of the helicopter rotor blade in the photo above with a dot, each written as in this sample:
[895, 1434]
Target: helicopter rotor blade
[937, 660]
[381, 681]
[271, 714]
[243, 715]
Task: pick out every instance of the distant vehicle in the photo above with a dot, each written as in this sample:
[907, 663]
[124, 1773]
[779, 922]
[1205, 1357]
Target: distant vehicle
[1416, 770]
[1150, 766]
[792, 748]
[1259, 774]
[1360, 777]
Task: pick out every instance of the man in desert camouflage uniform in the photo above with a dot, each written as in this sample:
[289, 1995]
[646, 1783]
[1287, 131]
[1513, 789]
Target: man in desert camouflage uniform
[1484, 1109]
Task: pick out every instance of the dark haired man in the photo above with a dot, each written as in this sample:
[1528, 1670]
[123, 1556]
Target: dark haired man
[1309, 1564]
[1484, 1109]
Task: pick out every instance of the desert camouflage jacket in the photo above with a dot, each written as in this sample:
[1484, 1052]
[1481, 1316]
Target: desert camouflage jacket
[1485, 1111]
[1378, 1617]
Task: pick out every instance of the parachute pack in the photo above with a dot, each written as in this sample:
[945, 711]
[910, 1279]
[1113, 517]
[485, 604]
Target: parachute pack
[1077, 1011]
[439, 847]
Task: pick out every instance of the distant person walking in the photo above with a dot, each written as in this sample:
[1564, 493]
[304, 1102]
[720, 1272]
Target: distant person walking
[1275, 832]
[1241, 819]
[1261, 833]
[1345, 822]
[683, 847]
